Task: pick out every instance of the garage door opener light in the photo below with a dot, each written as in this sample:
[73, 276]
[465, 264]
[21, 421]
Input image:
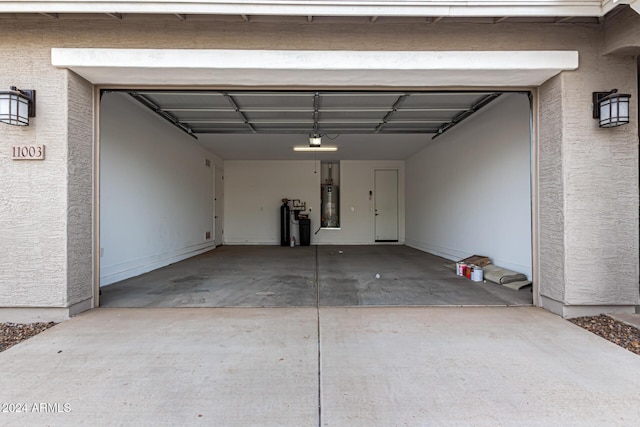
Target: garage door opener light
[315, 140]
[16, 106]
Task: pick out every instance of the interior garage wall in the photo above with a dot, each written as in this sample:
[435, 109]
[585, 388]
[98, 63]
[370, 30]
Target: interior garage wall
[469, 191]
[254, 190]
[357, 216]
[156, 193]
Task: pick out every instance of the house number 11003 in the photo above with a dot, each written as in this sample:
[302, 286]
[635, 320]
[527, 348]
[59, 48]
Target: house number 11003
[28, 152]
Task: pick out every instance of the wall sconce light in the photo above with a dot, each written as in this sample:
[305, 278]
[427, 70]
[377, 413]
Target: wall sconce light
[315, 140]
[611, 108]
[16, 106]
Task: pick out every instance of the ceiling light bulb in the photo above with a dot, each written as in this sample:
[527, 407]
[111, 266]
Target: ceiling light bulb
[315, 140]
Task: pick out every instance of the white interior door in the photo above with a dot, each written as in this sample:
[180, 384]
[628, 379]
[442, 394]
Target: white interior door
[386, 205]
[218, 207]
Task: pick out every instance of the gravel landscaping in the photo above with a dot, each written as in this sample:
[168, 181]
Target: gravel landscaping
[14, 333]
[619, 333]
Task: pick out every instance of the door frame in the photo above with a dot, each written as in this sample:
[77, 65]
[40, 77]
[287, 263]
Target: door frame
[217, 214]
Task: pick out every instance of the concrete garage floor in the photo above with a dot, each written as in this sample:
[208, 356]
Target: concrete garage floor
[340, 366]
[274, 276]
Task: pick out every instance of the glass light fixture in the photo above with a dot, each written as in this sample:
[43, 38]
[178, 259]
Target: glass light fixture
[316, 148]
[16, 106]
[315, 140]
[611, 108]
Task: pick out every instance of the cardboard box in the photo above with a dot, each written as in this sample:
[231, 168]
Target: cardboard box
[478, 260]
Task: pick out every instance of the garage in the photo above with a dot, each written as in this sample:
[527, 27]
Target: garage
[583, 174]
[384, 190]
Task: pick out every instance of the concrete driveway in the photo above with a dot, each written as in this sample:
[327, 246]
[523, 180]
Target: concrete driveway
[267, 367]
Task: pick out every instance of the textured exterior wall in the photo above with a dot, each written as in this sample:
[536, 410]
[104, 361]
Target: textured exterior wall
[551, 205]
[33, 237]
[588, 184]
[79, 99]
[202, 33]
[588, 188]
[600, 168]
[622, 33]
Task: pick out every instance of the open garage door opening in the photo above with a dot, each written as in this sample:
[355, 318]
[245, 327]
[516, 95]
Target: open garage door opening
[215, 198]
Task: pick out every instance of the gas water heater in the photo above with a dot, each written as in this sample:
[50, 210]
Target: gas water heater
[330, 206]
[330, 202]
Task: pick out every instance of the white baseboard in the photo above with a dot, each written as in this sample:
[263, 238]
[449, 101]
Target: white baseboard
[115, 273]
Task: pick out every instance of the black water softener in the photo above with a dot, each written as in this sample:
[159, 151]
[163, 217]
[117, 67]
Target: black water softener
[285, 226]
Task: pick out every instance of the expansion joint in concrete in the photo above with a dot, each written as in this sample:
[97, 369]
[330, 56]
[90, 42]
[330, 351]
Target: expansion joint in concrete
[316, 283]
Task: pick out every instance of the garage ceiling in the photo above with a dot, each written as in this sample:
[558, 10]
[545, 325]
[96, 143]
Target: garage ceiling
[309, 112]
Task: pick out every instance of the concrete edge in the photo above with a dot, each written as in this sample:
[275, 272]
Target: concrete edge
[33, 314]
[629, 319]
[568, 311]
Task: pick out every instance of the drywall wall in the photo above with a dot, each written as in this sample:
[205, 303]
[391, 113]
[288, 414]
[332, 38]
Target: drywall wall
[253, 195]
[254, 190]
[357, 216]
[469, 191]
[156, 192]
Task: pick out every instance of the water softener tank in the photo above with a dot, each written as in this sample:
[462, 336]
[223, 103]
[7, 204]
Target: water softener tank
[305, 231]
[285, 230]
[330, 206]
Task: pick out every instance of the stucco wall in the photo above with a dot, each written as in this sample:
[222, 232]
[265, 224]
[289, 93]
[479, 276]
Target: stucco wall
[202, 32]
[598, 185]
[551, 190]
[33, 203]
[588, 191]
[600, 171]
[79, 103]
[622, 33]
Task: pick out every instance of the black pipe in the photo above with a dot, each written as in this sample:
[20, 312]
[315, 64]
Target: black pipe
[285, 227]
